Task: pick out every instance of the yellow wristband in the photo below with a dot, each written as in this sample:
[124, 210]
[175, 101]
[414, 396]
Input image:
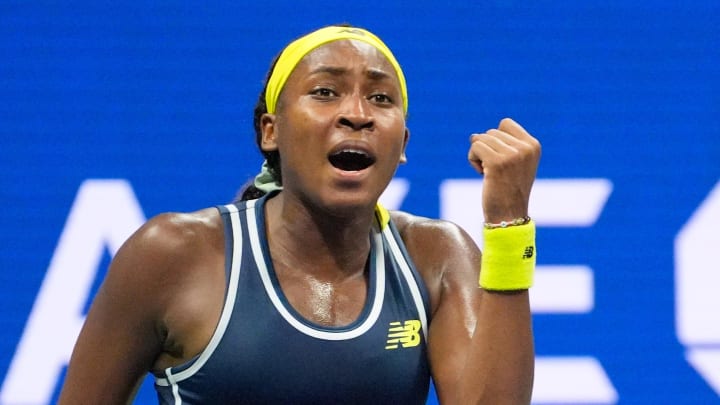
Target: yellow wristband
[508, 260]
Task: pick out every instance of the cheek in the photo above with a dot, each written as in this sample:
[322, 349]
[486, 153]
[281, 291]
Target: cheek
[292, 132]
[302, 145]
[396, 138]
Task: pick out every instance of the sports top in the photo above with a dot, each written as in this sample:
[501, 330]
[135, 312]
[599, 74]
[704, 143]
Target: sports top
[265, 352]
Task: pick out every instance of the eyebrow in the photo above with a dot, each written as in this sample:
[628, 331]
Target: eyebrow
[377, 74]
[374, 74]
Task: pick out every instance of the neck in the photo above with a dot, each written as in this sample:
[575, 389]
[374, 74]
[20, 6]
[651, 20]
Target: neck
[316, 241]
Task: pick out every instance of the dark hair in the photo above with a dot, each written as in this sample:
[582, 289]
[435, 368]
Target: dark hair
[249, 191]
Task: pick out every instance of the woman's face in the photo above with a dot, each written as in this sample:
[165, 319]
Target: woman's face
[339, 126]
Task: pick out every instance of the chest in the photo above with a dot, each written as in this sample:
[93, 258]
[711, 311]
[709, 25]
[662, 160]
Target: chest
[328, 303]
[378, 355]
[272, 344]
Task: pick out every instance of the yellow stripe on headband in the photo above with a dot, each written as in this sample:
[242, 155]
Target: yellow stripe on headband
[294, 52]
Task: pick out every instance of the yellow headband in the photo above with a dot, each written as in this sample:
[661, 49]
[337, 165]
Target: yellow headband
[294, 52]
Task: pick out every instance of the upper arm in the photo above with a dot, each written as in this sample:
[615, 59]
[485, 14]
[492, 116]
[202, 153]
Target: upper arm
[449, 261]
[480, 343]
[122, 334]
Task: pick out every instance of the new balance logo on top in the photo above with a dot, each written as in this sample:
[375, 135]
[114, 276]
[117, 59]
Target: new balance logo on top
[529, 251]
[405, 335]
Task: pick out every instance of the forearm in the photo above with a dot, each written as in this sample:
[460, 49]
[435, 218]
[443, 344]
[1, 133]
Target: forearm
[500, 360]
[499, 363]
[502, 354]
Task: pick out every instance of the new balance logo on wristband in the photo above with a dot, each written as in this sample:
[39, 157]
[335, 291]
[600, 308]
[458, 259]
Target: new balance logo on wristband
[529, 251]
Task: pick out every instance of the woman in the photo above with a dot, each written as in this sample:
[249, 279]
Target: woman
[314, 293]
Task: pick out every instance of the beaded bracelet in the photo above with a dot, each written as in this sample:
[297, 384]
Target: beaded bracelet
[504, 224]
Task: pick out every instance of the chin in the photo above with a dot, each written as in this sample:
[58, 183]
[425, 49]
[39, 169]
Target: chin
[345, 201]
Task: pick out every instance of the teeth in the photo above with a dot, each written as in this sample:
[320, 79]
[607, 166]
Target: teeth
[359, 152]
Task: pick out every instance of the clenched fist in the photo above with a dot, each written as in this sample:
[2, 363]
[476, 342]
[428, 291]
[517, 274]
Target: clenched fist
[508, 159]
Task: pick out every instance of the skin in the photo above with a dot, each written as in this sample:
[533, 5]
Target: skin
[162, 297]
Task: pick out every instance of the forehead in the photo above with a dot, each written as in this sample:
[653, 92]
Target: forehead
[348, 54]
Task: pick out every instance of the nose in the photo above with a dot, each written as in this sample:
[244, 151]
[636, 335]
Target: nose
[355, 114]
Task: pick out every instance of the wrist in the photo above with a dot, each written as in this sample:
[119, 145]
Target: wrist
[508, 259]
[504, 214]
[504, 224]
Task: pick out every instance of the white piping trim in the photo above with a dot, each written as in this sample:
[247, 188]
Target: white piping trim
[226, 311]
[175, 387]
[297, 324]
[409, 278]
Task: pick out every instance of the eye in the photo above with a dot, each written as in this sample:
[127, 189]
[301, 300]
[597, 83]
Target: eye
[381, 98]
[323, 92]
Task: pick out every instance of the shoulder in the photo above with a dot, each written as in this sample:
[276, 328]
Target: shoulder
[170, 243]
[442, 251]
[436, 240]
[174, 230]
[170, 271]
[414, 226]
[167, 278]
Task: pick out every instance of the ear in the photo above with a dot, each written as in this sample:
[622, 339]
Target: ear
[403, 158]
[269, 135]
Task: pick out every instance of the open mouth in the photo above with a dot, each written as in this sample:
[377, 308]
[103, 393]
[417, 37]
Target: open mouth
[351, 160]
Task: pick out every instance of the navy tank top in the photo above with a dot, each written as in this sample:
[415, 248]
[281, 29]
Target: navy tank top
[264, 352]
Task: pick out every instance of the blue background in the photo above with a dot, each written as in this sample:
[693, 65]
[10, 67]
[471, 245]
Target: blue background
[161, 94]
